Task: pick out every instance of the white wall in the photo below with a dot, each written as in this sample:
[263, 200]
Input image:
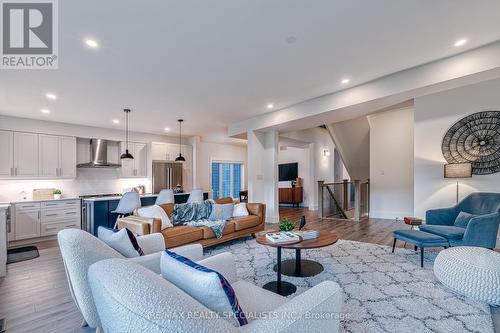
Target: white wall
[434, 114]
[322, 168]
[206, 152]
[391, 164]
[301, 156]
[88, 181]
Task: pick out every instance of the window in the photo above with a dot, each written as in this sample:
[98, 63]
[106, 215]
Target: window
[227, 179]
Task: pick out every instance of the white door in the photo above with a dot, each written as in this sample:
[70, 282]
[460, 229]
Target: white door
[159, 151]
[25, 154]
[67, 157]
[141, 160]
[127, 169]
[48, 158]
[6, 154]
[27, 224]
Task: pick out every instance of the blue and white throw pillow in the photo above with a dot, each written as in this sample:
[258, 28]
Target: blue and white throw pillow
[222, 212]
[122, 240]
[207, 286]
[463, 219]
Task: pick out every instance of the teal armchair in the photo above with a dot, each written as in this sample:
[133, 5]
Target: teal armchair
[480, 231]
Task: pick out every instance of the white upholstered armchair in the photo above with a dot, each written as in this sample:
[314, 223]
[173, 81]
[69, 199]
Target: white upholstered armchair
[80, 249]
[130, 298]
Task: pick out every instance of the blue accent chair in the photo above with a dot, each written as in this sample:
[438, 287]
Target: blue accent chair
[480, 231]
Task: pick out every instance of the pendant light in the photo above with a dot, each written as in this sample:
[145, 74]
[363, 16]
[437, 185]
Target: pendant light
[126, 154]
[180, 158]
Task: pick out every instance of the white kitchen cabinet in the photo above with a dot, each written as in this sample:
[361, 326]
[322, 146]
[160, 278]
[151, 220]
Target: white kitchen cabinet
[159, 151]
[25, 154]
[137, 167]
[67, 157]
[48, 155]
[57, 156]
[39, 219]
[6, 153]
[27, 223]
[3, 240]
[141, 160]
[172, 151]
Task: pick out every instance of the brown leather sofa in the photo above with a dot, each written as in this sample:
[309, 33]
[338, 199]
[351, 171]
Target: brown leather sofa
[180, 235]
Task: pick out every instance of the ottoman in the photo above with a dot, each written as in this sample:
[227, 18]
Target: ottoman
[420, 239]
[470, 271]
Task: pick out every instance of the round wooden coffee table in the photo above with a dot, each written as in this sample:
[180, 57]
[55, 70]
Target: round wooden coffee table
[297, 266]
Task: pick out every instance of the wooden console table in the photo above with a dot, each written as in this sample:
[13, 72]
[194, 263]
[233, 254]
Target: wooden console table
[291, 195]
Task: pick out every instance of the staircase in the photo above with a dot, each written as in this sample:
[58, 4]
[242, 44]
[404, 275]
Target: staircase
[344, 200]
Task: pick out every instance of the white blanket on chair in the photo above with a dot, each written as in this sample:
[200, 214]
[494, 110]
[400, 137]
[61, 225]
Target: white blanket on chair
[155, 212]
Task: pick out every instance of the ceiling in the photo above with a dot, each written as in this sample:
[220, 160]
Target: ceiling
[215, 62]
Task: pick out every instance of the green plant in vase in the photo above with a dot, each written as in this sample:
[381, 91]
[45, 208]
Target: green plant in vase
[57, 194]
[286, 225]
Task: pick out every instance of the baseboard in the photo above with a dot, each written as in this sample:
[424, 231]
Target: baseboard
[390, 215]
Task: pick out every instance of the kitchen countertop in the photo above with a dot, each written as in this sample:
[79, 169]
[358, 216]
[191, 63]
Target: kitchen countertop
[31, 200]
[116, 197]
[111, 197]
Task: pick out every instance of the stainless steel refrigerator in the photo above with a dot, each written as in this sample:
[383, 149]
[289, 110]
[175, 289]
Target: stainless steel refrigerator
[166, 175]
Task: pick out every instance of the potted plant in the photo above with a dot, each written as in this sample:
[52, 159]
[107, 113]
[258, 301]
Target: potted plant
[57, 194]
[286, 225]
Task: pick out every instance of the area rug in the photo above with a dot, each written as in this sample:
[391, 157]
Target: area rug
[22, 254]
[383, 292]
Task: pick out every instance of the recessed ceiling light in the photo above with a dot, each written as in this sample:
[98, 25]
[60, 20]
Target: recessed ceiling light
[91, 43]
[270, 105]
[345, 81]
[51, 96]
[46, 111]
[167, 129]
[116, 121]
[461, 42]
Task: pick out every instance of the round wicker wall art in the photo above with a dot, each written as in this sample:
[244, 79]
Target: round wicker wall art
[475, 139]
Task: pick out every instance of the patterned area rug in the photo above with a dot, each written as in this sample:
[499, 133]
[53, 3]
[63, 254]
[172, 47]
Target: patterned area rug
[383, 292]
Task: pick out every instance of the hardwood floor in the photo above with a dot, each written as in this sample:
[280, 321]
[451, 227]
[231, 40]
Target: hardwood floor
[34, 296]
[375, 231]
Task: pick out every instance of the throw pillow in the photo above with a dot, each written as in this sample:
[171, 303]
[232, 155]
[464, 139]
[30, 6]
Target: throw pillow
[122, 240]
[463, 219]
[222, 212]
[207, 286]
[240, 210]
[155, 212]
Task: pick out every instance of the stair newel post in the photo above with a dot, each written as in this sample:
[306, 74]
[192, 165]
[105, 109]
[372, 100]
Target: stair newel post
[345, 192]
[320, 198]
[357, 200]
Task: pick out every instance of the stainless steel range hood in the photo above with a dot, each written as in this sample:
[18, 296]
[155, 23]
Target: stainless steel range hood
[98, 155]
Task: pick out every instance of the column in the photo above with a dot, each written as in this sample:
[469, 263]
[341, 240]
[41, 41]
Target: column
[263, 171]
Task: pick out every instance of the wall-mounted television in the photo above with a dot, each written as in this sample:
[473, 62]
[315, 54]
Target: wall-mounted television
[288, 171]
